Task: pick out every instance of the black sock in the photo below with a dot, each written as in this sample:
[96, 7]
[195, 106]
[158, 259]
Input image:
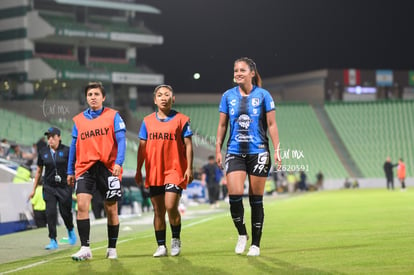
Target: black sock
[256, 204]
[237, 213]
[113, 231]
[84, 227]
[175, 231]
[160, 236]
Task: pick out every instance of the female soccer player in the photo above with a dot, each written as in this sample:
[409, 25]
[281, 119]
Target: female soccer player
[166, 147]
[250, 112]
[98, 148]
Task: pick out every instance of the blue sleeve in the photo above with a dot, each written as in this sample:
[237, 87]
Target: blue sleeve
[223, 108]
[72, 152]
[120, 130]
[187, 130]
[119, 124]
[121, 141]
[143, 134]
[269, 103]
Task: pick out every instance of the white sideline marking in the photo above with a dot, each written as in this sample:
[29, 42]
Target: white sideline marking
[101, 247]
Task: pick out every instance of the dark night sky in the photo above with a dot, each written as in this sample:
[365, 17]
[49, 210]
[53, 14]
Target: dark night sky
[283, 37]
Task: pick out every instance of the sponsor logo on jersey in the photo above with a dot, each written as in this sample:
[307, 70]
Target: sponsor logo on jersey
[244, 121]
[255, 102]
[244, 138]
[233, 102]
[94, 133]
[163, 136]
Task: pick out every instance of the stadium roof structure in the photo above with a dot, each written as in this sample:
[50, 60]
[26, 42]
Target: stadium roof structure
[115, 5]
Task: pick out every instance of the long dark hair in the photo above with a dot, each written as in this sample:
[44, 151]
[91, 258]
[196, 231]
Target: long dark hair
[257, 80]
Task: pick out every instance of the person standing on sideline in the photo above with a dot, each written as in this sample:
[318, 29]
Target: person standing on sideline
[211, 177]
[56, 191]
[97, 153]
[250, 112]
[166, 147]
[401, 173]
[39, 206]
[389, 174]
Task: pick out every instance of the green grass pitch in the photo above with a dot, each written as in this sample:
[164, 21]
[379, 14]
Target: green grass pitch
[361, 231]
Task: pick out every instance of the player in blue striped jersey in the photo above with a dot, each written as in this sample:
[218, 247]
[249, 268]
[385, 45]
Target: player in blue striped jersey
[250, 112]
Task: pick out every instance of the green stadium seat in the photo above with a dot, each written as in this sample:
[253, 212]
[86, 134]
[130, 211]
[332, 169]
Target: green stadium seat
[371, 131]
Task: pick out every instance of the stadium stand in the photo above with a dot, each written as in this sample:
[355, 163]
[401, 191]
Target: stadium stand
[371, 131]
[299, 131]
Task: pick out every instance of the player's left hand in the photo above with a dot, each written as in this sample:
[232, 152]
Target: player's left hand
[278, 162]
[188, 176]
[117, 170]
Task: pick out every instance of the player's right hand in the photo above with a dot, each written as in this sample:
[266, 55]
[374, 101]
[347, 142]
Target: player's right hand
[71, 180]
[219, 160]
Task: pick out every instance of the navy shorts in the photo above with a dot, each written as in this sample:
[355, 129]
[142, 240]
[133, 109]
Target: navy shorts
[98, 177]
[160, 190]
[252, 164]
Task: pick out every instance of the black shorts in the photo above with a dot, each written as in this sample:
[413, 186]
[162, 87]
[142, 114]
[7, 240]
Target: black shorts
[254, 164]
[98, 177]
[160, 190]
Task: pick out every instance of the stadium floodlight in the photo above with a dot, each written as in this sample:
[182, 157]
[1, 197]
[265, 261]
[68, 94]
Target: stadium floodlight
[114, 5]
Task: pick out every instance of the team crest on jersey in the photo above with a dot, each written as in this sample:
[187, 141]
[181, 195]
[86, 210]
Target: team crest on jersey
[255, 102]
[244, 121]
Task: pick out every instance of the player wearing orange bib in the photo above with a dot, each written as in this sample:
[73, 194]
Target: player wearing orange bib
[96, 155]
[166, 147]
[401, 174]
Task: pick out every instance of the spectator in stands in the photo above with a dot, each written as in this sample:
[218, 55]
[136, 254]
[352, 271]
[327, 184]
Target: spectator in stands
[166, 147]
[54, 159]
[249, 110]
[97, 153]
[401, 173]
[39, 206]
[211, 178]
[4, 148]
[16, 154]
[389, 173]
